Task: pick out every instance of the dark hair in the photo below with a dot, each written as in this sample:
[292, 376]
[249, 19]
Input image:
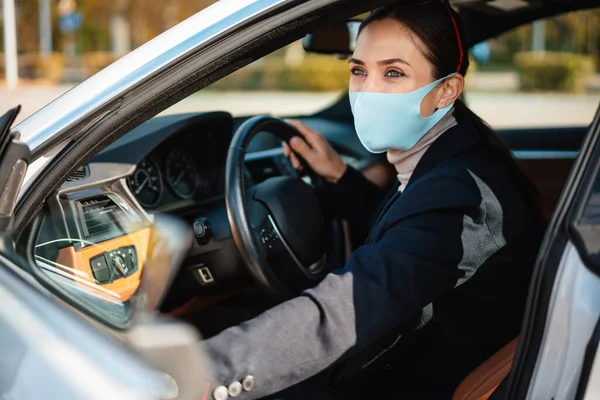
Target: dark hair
[430, 21]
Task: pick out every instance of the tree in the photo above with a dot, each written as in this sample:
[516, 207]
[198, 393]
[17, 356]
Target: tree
[145, 19]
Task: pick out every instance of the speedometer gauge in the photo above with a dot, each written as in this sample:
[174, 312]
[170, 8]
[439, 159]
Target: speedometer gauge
[182, 175]
[146, 183]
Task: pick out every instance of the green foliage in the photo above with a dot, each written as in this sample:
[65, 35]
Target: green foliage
[313, 73]
[48, 68]
[35, 67]
[148, 18]
[554, 71]
[575, 32]
[95, 61]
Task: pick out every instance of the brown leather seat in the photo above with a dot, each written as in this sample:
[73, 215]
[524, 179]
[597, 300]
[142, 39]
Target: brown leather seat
[481, 383]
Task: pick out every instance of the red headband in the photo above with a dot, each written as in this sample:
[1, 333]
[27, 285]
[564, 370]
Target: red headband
[460, 48]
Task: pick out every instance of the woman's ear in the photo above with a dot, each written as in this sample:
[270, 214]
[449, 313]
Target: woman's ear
[449, 90]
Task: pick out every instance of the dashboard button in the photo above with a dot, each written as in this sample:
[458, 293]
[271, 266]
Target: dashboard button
[131, 258]
[100, 269]
[120, 266]
[268, 235]
[202, 230]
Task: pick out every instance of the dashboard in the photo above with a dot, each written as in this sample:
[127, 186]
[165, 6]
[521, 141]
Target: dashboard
[173, 165]
[170, 162]
[186, 169]
[178, 161]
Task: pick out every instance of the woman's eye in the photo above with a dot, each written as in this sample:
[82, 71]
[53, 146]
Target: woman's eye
[357, 71]
[394, 74]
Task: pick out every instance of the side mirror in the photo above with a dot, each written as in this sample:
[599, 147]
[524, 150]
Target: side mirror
[106, 259]
[338, 39]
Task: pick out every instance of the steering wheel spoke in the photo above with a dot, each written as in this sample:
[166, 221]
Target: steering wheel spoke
[263, 228]
[279, 252]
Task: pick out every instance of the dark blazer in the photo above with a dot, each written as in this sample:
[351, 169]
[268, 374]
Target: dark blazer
[438, 286]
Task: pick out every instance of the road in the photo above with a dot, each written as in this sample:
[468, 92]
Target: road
[499, 109]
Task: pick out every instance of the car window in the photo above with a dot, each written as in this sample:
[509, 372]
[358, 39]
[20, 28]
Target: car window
[288, 81]
[527, 77]
[544, 74]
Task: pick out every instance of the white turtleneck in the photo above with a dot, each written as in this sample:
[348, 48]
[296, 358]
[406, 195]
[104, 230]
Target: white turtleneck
[406, 161]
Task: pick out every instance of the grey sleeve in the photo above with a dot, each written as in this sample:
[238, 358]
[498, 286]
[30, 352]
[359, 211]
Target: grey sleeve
[420, 257]
[288, 343]
[303, 336]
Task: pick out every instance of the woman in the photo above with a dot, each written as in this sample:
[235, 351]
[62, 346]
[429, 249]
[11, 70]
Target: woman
[440, 282]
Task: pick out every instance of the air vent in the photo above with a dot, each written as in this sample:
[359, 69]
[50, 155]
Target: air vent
[81, 173]
[101, 216]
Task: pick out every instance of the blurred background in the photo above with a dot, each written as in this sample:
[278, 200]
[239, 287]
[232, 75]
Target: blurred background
[542, 74]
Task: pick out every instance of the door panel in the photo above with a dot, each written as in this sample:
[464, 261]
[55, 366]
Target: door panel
[589, 386]
[66, 358]
[549, 175]
[574, 311]
[557, 139]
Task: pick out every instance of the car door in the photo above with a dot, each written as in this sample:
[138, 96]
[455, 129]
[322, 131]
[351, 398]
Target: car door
[589, 384]
[557, 355]
[48, 352]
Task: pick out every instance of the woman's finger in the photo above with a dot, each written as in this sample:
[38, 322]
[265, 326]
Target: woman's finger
[295, 162]
[302, 148]
[309, 135]
[286, 149]
[291, 156]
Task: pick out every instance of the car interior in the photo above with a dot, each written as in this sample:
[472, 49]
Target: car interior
[94, 233]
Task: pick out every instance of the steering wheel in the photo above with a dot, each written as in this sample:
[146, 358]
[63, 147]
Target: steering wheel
[278, 226]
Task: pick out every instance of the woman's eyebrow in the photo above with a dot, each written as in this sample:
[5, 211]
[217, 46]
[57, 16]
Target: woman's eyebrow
[382, 62]
[393, 61]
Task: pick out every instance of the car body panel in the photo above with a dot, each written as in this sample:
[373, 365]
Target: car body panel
[575, 308]
[48, 352]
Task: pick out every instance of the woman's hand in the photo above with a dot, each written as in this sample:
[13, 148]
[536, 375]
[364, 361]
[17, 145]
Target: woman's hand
[317, 152]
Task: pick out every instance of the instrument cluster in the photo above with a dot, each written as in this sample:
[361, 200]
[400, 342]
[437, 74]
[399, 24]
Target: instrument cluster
[185, 169]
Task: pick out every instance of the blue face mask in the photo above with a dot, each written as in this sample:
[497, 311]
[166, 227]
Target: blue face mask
[393, 120]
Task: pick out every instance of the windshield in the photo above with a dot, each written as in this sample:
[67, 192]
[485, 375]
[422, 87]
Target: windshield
[288, 81]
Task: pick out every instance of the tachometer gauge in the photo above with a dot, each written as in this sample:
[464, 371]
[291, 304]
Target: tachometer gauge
[146, 183]
[204, 183]
[182, 175]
